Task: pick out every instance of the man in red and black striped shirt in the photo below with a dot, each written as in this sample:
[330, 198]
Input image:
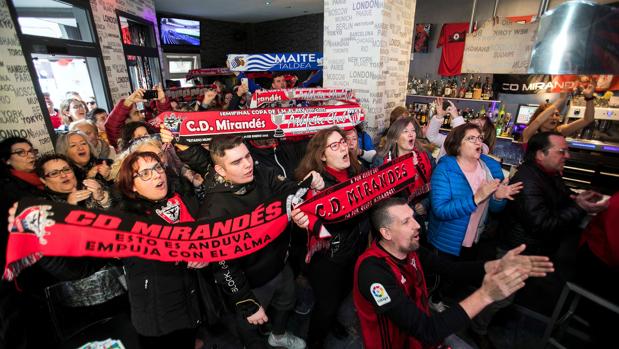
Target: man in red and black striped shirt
[390, 293]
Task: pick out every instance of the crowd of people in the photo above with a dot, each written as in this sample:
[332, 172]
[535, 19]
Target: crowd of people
[442, 255]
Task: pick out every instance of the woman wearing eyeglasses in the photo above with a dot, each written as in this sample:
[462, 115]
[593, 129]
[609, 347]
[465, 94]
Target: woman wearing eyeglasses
[17, 177]
[62, 185]
[71, 279]
[466, 184]
[330, 271]
[164, 296]
[547, 117]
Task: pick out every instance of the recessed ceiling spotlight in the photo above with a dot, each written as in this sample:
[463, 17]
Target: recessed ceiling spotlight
[268, 3]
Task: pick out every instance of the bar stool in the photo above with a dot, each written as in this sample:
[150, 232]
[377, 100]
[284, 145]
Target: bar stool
[562, 321]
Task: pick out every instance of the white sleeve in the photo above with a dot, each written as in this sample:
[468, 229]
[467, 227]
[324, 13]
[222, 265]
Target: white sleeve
[432, 133]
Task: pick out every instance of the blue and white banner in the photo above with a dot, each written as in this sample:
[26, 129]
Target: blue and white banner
[274, 62]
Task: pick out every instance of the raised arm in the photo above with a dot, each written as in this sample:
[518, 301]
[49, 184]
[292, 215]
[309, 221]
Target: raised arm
[535, 125]
[588, 118]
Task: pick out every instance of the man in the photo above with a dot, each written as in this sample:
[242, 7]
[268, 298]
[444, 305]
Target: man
[54, 117]
[279, 81]
[546, 210]
[91, 103]
[252, 283]
[546, 216]
[390, 294]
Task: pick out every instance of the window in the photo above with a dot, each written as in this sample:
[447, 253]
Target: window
[53, 19]
[59, 41]
[141, 51]
[180, 64]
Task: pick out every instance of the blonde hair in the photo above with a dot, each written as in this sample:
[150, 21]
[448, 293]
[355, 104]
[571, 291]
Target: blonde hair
[73, 126]
[134, 147]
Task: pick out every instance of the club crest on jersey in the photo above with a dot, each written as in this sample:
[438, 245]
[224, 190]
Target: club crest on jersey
[171, 212]
[380, 294]
[35, 219]
[459, 36]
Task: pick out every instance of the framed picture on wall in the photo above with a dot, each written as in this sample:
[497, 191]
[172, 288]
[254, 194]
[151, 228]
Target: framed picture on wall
[422, 37]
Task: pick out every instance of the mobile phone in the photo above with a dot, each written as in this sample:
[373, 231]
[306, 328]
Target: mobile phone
[150, 94]
[244, 82]
[139, 106]
[109, 162]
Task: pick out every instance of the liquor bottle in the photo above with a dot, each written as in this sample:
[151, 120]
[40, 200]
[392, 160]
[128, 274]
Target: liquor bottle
[486, 89]
[500, 121]
[447, 90]
[501, 112]
[462, 89]
[429, 87]
[454, 88]
[482, 112]
[477, 88]
[469, 90]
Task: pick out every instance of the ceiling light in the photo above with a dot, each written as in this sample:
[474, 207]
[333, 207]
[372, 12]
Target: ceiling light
[268, 3]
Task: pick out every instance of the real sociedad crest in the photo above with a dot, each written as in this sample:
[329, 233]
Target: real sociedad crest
[35, 219]
[275, 61]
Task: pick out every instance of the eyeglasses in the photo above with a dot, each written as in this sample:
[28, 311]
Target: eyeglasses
[56, 173]
[147, 173]
[562, 151]
[474, 139]
[23, 153]
[335, 146]
[78, 106]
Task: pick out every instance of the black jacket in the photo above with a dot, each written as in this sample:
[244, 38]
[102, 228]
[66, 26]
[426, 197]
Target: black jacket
[349, 238]
[12, 322]
[541, 215]
[238, 277]
[283, 156]
[164, 296]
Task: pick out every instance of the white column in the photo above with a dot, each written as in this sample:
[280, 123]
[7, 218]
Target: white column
[367, 47]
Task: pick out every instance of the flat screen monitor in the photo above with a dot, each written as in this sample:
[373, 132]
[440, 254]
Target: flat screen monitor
[176, 31]
[525, 111]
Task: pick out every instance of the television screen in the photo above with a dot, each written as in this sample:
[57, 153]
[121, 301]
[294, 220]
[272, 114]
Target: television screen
[525, 111]
[175, 31]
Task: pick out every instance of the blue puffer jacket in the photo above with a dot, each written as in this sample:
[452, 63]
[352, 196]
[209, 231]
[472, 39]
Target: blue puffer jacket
[452, 203]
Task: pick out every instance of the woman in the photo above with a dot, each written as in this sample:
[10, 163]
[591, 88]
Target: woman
[101, 149]
[401, 139]
[71, 279]
[330, 271]
[131, 131]
[488, 130]
[71, 110]
[547, 117]
[75, 146]
[396, 113]
[165, 309]
[62, 185]
[126, 110]
[17, 180]
[465, 185]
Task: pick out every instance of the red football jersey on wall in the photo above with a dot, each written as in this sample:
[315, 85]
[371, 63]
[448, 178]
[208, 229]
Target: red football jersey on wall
[452, 40]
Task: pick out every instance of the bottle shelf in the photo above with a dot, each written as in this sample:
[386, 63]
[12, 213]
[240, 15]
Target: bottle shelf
[458, 99]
